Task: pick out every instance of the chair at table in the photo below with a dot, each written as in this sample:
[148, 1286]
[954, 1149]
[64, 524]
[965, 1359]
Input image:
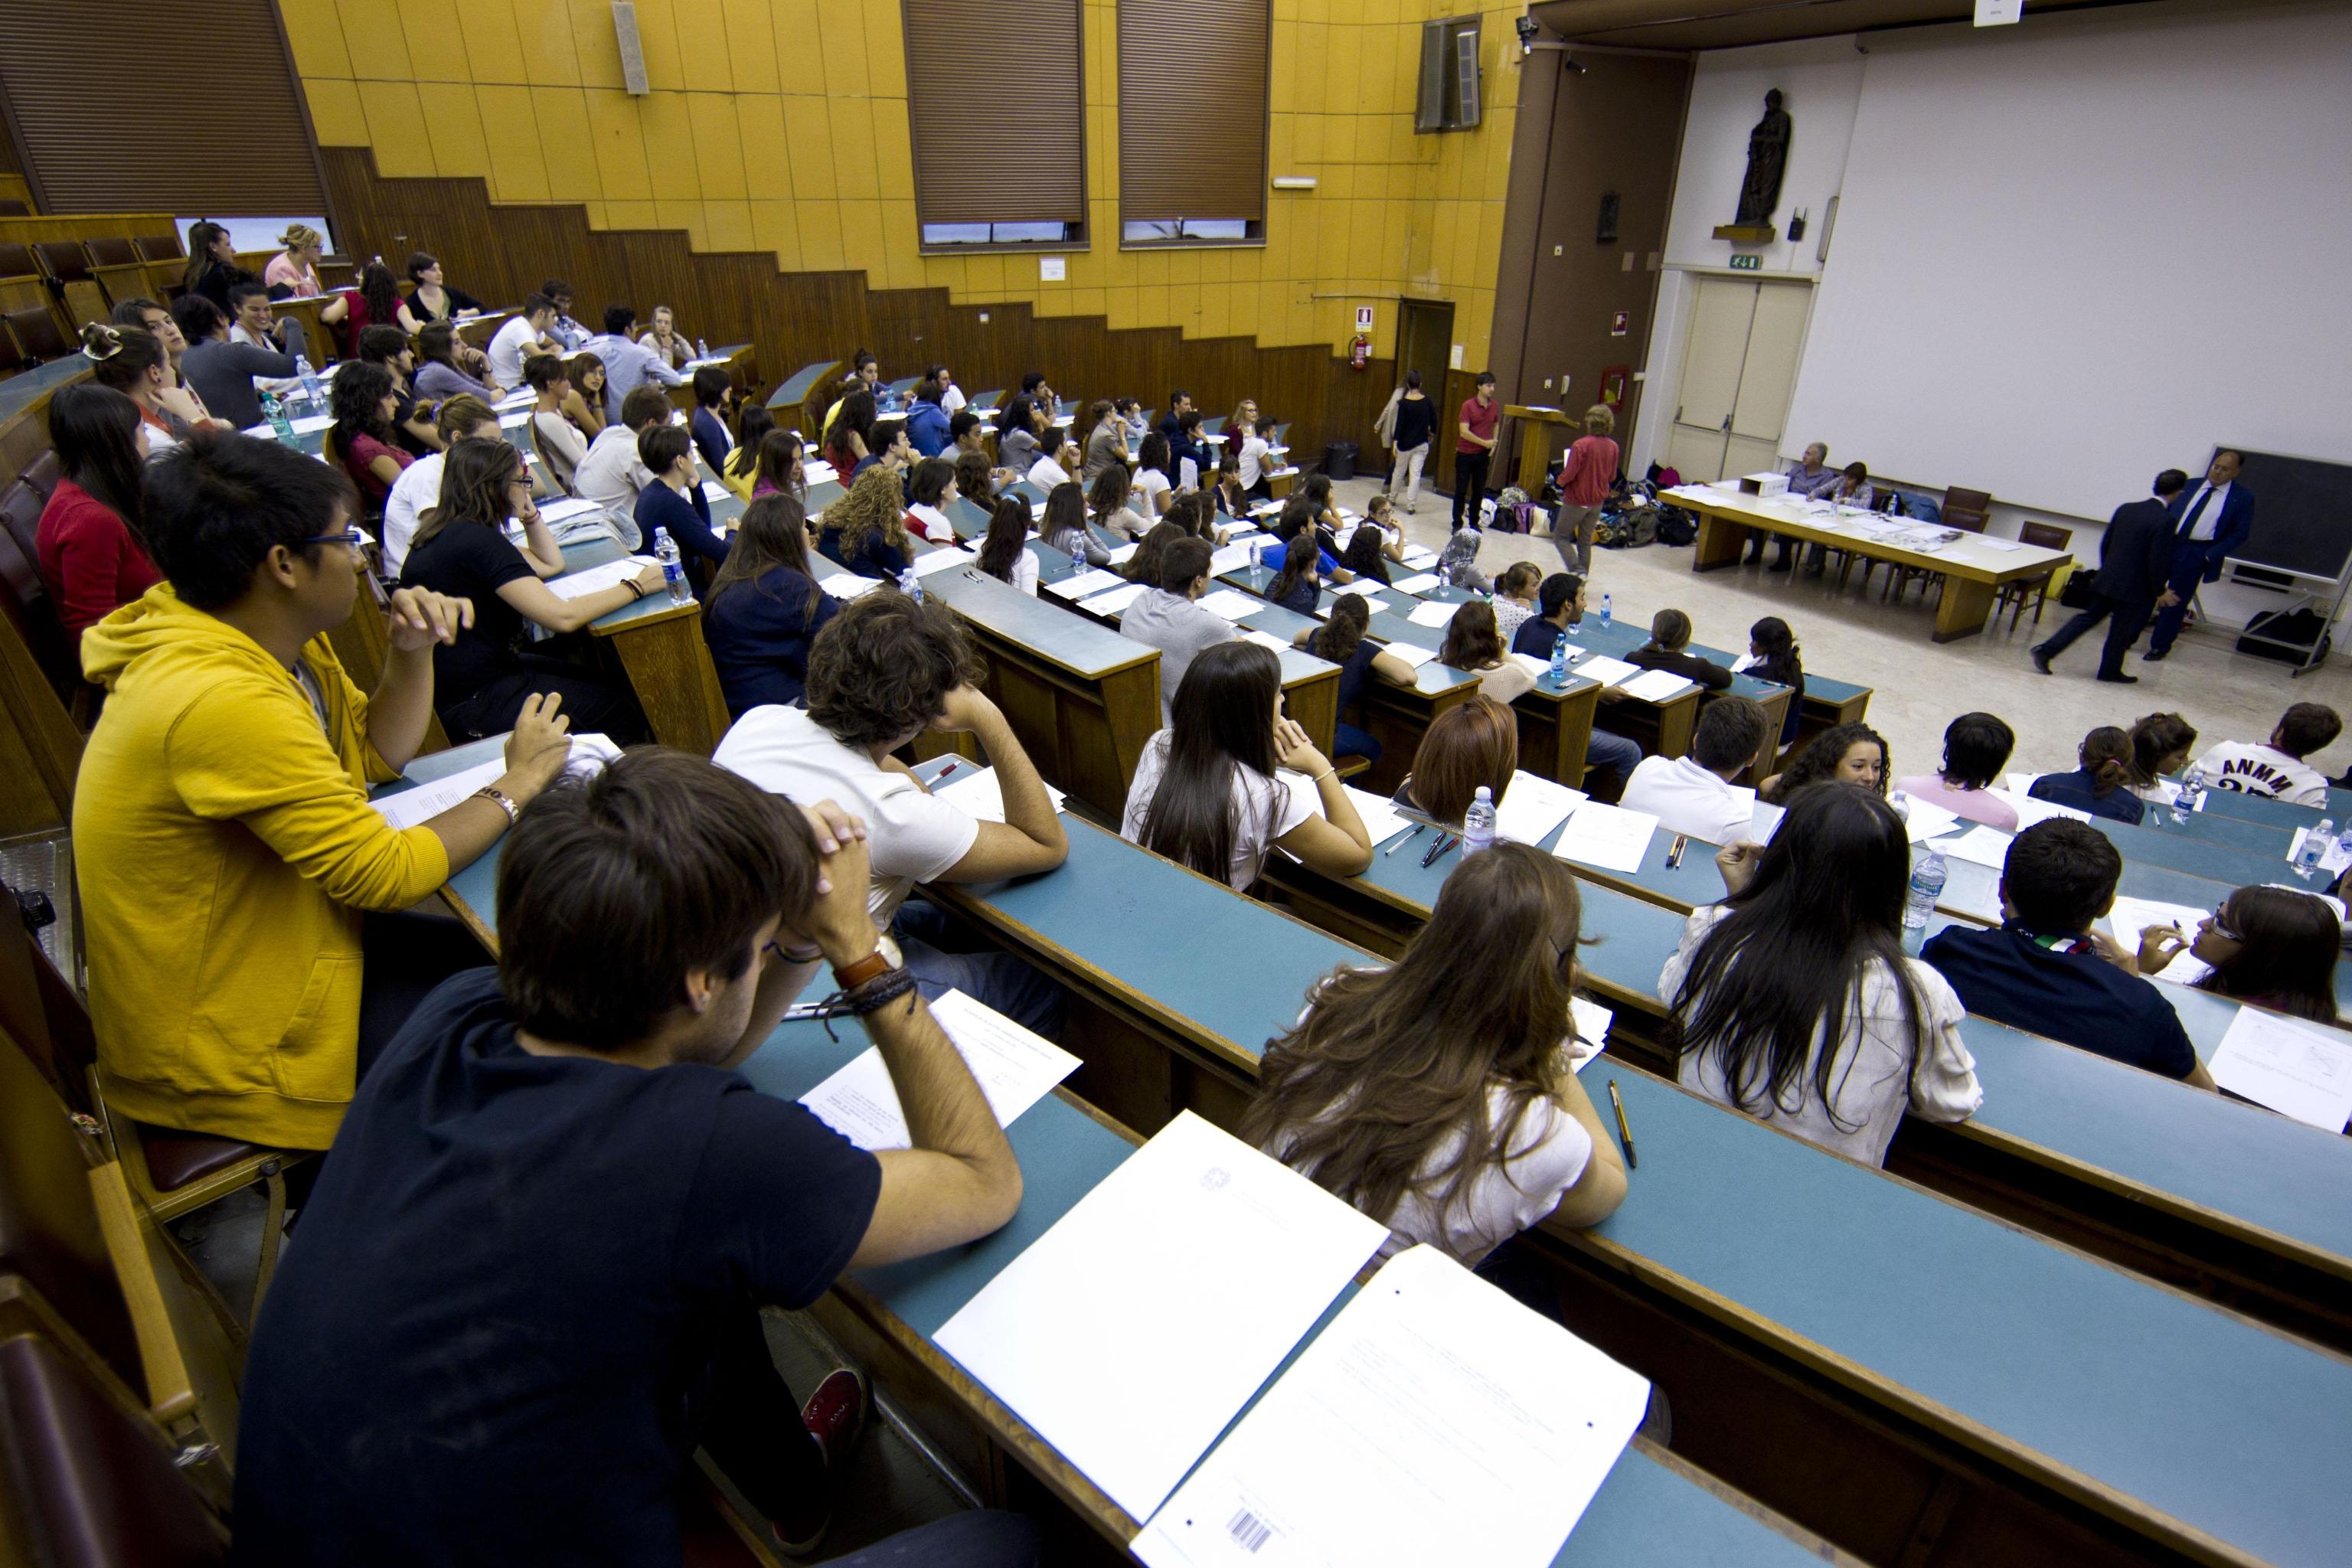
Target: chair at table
[10, 207]
[1966, 508]
[2042, 536]
[166, 261]
[115, 265]
[67, 266]
[36, 336]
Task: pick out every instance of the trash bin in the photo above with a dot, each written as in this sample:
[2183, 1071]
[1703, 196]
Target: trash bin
[1339, 460]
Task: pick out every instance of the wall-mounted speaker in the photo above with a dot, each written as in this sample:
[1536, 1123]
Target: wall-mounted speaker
[633, 54]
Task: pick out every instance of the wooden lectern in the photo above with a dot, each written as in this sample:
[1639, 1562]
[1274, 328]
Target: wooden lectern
[1534, 443]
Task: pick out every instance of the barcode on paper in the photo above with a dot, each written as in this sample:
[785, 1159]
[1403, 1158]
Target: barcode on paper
[1249, 1530]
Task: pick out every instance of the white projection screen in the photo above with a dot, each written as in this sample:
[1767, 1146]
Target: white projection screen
[2073, 253]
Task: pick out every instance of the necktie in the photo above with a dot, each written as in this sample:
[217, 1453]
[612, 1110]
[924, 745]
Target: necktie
[2188, 524]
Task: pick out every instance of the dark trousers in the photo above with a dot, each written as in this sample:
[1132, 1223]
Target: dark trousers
[2125, 619]
[1348, 741]
[596, 703]
[1469, 484]
[2188, 572]
[741, 1412]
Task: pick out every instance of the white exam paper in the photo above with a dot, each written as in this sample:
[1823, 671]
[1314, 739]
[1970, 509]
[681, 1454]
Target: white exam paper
[946, 559]
[1433, 613]
[1267, 639]
[563, 511]
[1230, 558]
[1420, 555]
[1114, 602]
[2132, 916]
[1924, 819]
[1764, 822]
[2031, 811]
[1014, 1067]
[1381, 820]
[1100, 580]
[1532, 806]
[1606, 835]
[844, 586]
[1593, 1022]
[1656, 686]
[981, 792]
[712, 491]
[1419, 583]
[1979, 846]
[1436, 1420]
[1212, 1255]
[595, 579]
[2293, 1070]
[427, 801]
[1411, 653]
[1600, 667]
[1363, 586]
[1231, 604]
[1125, 553]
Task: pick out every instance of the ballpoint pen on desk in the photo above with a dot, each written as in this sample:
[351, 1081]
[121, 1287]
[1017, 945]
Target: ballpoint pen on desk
[1675, 855]
[1418, 829]
[945, 772]
[1436, 851]
[1624, 1134]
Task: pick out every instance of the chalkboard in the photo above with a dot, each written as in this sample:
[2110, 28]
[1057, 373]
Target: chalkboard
[2303, 513]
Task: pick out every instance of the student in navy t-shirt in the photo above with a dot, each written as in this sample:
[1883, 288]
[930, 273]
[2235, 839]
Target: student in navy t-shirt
[529, 1281]
[2047, 972]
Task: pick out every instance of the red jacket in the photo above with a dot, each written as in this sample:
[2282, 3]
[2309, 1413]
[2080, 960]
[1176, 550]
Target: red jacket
[89, 562]
[1590, 470]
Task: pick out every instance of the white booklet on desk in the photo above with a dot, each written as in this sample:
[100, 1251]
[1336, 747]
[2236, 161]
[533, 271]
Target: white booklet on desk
[1014, 1067]
[1433, 613]
[1435, 1421]
[1100, 580]
[2291, 1068]
[980, 792]
[1600, 667]
[1231, 604]
[1129, 1334]
[1654, 685]
[1609, 837]
[1532, 806]
[596, 579]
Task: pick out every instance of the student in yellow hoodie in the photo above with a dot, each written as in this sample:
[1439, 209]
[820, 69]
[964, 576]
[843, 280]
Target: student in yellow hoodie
[227, 853]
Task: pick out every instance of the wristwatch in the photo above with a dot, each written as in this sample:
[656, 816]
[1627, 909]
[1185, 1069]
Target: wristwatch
[885, 958]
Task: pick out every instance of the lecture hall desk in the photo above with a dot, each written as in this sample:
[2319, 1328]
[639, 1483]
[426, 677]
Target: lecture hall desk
[1741, 1248]
[1972, 570]
[2069, 1143]
[1654, 1507]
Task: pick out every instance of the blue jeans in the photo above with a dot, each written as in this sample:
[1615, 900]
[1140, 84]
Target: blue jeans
[1348, 741]
[1612, 754]
[993, 979]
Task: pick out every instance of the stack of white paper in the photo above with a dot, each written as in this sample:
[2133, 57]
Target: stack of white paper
[1411, 653]
[426, 800]
[1420, 583]
[1609, 837]
[1656, 686]
[1381, 819]
[945, 559]
[2294, 1070]
[1979, 846]
[2031, 811]
[980, 793]
[1366, 586]
[1114, 602]
[1216, 1256]
[843, 585]
[1420, 555]
[713, 492]
[2022, 783]
[1230, 558]
[1925, 818]
[1531, 808]
[1015, 1068]
[1610, 672]
[1433, 613]
[1538, 668]
[1765, 822]
[1267, 639]
[1231, 604]
[1099, 580]
[1436, 1420]
[595, 579]
[563, 511]
[1125, 553]
[1593, 1022]
[2130, 917]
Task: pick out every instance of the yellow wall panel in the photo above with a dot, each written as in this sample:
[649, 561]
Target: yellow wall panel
[727, 225]
[658, 39]
[775, 227]
[377, 42]
[455, 125]
[396, 127]
[666, 124]
[751, 47]
[492, 44]
[800, 58]
[567, 147]
[619, 140]
[718, 147]
[630, 214]
[894, 151]
[698, 27]
[851, 122]
[759, 128]
[819, 224]
[543, 28]
[808, 140]
[436, 43]
[315, 33]
[841, 31]
[518, 172]
[592, 35]
[335, 111]
[885, 52]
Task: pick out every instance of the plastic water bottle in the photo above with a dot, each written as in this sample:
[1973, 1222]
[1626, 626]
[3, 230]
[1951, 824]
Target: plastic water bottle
[1927, 887]
[1560, 660]
[1478, 823]
[274, 412]
[2344, 841]
[1604, 612]
[312, 393]
[911, 585]
[2191, 796]
[701, 348]
[2315, 843]
[673, 569]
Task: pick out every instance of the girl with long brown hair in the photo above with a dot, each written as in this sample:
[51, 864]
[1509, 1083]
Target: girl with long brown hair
[1004, 549]
[1437, 1095]
[764, 607]
[782, 467]
[2274, 947]
[585, 404]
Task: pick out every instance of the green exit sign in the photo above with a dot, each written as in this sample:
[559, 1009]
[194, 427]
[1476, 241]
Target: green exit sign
[1747, 263]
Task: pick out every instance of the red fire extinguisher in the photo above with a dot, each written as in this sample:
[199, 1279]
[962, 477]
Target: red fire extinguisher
[1360, 352]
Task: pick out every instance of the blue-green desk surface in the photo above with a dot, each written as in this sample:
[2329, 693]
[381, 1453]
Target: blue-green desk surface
[2278, 812]
[797, 386]
[2270, 838]
[1077, 642]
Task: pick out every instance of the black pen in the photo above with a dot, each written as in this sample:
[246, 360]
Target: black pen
[1624, 1134]
[1675, 855]
[1417, 829]
[1437, 850]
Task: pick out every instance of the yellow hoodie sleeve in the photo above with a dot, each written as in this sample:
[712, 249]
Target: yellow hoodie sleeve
[252, 752]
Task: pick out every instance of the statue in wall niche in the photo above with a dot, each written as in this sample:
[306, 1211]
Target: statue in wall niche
[1768, 160]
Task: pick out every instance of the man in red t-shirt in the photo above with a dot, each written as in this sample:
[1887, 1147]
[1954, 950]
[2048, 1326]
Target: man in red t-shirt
[1481, 415]
[1584, 483]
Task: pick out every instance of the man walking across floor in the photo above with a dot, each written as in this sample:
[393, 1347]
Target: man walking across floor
[2211, 521]
[2134, 565]
[1473, 451]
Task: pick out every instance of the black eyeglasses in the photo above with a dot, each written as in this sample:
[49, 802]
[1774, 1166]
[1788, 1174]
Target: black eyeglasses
[350, 536]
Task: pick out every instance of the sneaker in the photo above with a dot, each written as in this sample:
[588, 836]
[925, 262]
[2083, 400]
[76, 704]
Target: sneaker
[2041, 660]
[834, 1414]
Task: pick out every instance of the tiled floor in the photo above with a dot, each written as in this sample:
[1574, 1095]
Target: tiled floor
[1919, 686]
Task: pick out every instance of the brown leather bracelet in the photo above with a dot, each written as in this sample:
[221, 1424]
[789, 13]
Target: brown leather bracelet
[872, 966]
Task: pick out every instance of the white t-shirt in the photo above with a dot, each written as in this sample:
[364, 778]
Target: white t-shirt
[953, 400]
[1046, 473]
[911, 836]
[1024, 573]
[2251, 769]
[609, 475]
[512, 341]
[1254, 463]
[1687, 798]
[936, 526]
[561, 444]
[1263, 809]
[417, 490]
[1874, 1060]
[1154, 489]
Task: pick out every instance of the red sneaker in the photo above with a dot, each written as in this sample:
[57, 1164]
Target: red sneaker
[834, 1414]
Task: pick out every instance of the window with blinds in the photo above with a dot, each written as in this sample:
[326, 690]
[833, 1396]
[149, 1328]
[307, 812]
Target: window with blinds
[99, 129]
[996, 102]
[1186, 176]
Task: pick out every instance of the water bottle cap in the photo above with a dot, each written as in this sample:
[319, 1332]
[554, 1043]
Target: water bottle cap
[1483, 793]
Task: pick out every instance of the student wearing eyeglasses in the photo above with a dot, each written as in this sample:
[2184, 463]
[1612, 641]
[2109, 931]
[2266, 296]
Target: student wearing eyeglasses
[238, 895]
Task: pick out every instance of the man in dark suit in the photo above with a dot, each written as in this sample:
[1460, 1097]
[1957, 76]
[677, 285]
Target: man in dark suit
[2211, 522]
[2134, 565]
